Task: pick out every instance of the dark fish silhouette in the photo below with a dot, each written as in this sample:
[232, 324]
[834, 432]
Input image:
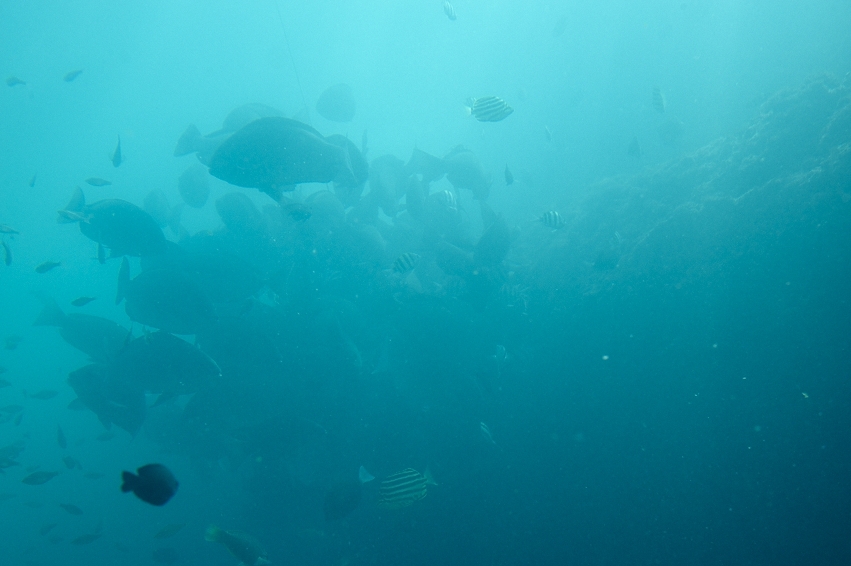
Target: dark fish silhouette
[337, 103]
[86, 539]
[60, 438]
[47, 266]
[39, 478]
[116, 155]
[14, 81]
[509, 178]
[7, 253]
[71, 75]
[98, 182]
[72, 509]
[81, 301]
[153, 484]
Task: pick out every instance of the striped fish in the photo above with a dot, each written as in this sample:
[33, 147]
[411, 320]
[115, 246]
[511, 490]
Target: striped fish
[658, 99]
[403, 489]
[489, 109]
[405, 262]
[552, 219]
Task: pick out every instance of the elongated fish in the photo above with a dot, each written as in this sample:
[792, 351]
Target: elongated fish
[552, 219]
[405, 262]
[659, 102]
[403, 489]
[116, 155]
[489, 109]
[449, 10]
[71, 75]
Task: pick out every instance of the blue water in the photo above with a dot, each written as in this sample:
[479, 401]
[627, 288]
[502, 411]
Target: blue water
[665, 378]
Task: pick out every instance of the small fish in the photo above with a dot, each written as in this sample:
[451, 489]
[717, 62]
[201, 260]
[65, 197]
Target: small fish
[4, 383]
[47, 266]
[169, 531]
[7, 253]
[116, 155]
[82, 301]
[489, 109]
[509, 178]
[47, 528]
[3, 369]
[446, 199]
[98, 182]
[634, 149]
[93, 475]
[12, 341]
[548, 134]
[86, 539]
[101, 254]
[297, 211]
[12, 409]
[403, 489]
[71, 75]
[105, 436]
[153, 483]
[405, 262]
[44, 394]
[553, 220]
[60, 438]
[72, 509]
[659, 102]
[6, 496]
[32, 181]
[18, 419]
[449, 10]
[7, 230]
[14, 81]
[71, 462]
[39, 478]
[486, 433]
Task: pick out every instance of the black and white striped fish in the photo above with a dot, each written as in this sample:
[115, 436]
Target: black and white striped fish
[552, 219]
[403, 489]
[405, 262]
[658, 99]
[489, 109]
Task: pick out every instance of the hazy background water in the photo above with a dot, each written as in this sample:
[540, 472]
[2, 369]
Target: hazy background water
[690, 446]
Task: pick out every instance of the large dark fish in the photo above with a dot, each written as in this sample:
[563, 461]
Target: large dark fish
[153, 483]
[194, 185]
[337, 103]
[348, 190]
[465, 171]
[99, 338]
[167, 299]
[160, 362]
[113, 403]
[275, 154]
[122, 227]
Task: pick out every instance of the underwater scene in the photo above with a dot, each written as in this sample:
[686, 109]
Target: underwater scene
[374, 283]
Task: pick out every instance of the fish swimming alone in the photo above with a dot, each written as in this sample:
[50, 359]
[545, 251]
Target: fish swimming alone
[405, 262]
[71, 75]
[337, 103]
[552, 219]
[153, 483]
[39, 478]
[98, 182]
[509, 178]
[7, 253]
[82, 301]
[14, 81]
[403, 489]
[116, 158]
[489, 109]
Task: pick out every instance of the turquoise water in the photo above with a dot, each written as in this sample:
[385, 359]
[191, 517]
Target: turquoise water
[660, 377]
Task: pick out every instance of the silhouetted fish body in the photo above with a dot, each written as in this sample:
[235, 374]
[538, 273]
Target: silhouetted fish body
[274, 154]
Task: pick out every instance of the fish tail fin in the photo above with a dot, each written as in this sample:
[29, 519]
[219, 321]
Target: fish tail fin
[468, 105]
[123, 281]
[128, 480]
[51, 314]
[364, 476]
[429, 478]
[189, 142]
[72, 210]
[212, 534]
